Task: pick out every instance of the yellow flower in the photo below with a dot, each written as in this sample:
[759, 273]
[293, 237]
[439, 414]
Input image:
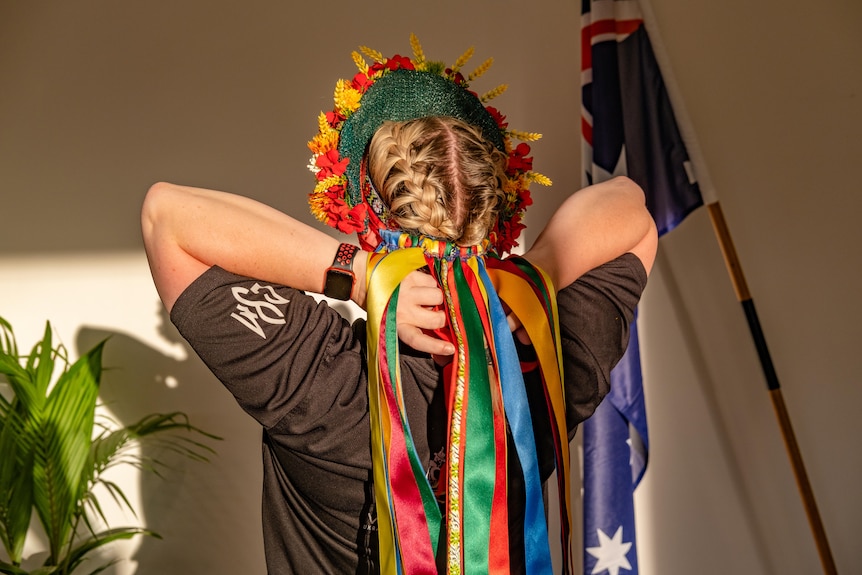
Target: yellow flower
[462, 60]
[346, 97]
[487, 96]
[375, 55]
[418, 54]
[323, 142]
[540, 179]
[511, 187]
[322, 124]
[525, 136]
[359, 61]
[480, 70]
[324, 185]
[318, 202]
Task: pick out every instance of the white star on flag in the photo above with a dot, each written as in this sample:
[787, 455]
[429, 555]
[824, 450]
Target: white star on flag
[611, 553]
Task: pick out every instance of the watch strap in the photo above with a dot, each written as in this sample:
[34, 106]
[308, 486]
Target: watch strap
[344, 257]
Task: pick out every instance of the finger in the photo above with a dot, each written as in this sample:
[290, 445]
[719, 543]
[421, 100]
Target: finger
[421, 289]
[419, 279]
[518, 329]
[415, 338]
[420, 317]
[522, 336]
[426, 296]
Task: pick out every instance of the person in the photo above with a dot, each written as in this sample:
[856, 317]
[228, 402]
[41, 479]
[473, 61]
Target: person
[431, 196]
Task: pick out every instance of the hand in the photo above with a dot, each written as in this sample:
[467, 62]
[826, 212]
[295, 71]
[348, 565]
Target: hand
[516, 327]
[418, 297]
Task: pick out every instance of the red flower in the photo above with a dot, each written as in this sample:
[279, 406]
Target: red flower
[330, 165]
[335, 192]
[342, 217]
[333, 118]
[457, 77]
[352, 221]
[362, 82]
[498, 117]
[514, 231]
[506, 237]
[334, 211]
[518, 160]
[338, 211]
[397, 61]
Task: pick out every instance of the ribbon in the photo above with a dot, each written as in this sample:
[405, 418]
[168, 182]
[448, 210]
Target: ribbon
[485, 396]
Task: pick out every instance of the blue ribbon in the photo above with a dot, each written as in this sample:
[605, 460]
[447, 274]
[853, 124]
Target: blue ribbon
[536, 547]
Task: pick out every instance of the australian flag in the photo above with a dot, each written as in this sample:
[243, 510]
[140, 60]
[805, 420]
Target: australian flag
[628, 128]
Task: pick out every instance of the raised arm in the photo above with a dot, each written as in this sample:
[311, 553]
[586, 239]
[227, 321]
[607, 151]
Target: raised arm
[592, 227]
[187, 230]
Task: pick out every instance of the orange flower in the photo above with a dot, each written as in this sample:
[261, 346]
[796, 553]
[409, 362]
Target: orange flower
[323, 142]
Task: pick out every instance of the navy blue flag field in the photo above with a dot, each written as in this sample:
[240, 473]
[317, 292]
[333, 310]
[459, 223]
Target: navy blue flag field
[628, 128]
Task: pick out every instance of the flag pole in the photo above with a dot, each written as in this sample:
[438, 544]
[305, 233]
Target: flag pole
[734, 268]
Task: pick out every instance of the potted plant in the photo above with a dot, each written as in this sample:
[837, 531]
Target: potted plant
[55, 449]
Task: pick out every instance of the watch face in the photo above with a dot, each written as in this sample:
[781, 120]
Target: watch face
[338, 285]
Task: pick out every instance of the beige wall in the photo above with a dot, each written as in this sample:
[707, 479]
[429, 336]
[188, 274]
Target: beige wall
[100, 99]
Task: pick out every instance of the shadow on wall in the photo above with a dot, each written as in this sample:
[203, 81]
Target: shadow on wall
[202, 531]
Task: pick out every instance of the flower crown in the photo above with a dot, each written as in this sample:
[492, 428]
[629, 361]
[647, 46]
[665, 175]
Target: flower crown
[400, 89]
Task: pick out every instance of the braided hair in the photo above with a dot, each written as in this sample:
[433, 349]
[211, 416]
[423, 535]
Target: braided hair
[438, 177]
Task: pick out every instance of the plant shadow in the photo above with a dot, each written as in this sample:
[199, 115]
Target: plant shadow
[207, 513]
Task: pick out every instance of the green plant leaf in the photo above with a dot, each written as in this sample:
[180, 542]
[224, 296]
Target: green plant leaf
[11, 569]
[10, 367]
[176, 421]
[161, 429]
[41, 362]
[18, 377]
[51, 461]
[78, 554]
[117, 495]
[16, 494]
[63, 447]
[16, 488]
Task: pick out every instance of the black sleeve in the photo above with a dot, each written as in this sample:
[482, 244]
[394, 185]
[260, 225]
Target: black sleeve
[596, 312]
[273, 347]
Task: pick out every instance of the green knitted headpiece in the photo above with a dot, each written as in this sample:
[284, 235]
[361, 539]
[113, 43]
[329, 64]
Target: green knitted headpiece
[401, 89]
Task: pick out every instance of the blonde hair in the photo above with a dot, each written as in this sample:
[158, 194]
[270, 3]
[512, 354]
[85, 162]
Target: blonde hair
[438, 177]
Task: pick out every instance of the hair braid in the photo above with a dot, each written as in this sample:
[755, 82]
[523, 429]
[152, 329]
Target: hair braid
[439, 178]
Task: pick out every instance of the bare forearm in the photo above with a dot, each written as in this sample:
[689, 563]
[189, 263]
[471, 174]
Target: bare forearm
[592, 227]
[186, 230]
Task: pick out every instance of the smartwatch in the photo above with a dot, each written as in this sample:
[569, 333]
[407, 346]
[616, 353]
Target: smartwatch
[338, 279]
